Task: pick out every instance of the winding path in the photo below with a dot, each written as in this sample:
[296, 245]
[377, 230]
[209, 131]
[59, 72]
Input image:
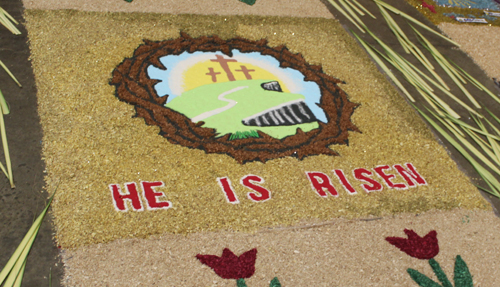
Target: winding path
[231, 104]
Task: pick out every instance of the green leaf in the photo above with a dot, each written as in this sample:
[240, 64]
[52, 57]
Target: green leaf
[19, 278]
[412, 77]
[5, 145]
[353, 7]
[241, 283]
[10, 74]
[371, 52]
[408, 17]
[350, 11]
[421, 279]
[8, 21]
[476, 152]
[492, 115]
[444, 89]
[275, 282]
[439, 273]
[477, 83]
[4, 109]
[485, 174]
[249, 2]
[457, 81]
[15, 265]
[462, 276]
[491, 125]
[461, 123]
[337, 6]
[364, 9]
[3, 104]
[8, 16]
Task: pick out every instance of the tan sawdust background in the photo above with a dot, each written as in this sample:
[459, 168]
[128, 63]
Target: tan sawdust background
[91, 139]
[342, 253]
[291, 8]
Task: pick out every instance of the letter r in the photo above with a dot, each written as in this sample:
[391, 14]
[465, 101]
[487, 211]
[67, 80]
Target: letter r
[320, 182]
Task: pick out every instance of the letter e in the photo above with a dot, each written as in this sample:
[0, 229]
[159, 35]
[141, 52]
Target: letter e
[387, 177]
[151, 195]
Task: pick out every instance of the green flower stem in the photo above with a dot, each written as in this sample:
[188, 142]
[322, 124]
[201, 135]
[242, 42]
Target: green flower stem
[439, 273]
[421, 279]
[241, 283]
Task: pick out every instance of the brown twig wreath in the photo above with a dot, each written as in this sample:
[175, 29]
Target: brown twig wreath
[135, 87]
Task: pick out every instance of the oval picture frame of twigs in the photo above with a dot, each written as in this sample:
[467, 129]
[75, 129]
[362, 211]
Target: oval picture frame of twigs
[134, 87]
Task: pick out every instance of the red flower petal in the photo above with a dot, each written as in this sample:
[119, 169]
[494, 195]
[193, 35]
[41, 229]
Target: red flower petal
[416, 246]
[230, 266]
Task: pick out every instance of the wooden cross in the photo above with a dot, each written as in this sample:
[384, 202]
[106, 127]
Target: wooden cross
[212, 73]
[246, 71]
[223, 63]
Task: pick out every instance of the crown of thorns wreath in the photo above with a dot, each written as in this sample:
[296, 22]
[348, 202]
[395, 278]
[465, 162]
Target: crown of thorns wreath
[134, 86]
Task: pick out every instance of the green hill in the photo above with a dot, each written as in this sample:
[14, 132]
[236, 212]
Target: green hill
[223, 106]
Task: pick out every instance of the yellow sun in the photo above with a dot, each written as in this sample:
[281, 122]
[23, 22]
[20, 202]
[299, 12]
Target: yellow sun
[210, 72]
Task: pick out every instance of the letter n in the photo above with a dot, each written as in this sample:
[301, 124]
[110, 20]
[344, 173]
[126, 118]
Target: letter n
[320, 182]
[411, 176]
[132, 196]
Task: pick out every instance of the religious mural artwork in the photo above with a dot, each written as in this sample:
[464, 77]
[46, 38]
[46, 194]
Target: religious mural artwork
[236, 96]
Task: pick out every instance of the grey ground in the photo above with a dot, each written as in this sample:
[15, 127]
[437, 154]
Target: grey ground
[19, 207]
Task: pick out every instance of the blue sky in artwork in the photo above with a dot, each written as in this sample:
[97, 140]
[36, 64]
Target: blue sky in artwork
[293, 79]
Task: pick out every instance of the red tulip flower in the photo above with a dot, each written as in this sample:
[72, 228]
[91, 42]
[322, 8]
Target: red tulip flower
[230, 266]
[427, 247]
[419, 247]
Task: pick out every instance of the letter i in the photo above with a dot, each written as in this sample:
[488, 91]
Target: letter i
[345, 183]
[225, 184]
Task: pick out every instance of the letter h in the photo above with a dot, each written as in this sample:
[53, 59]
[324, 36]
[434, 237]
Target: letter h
[132, 196]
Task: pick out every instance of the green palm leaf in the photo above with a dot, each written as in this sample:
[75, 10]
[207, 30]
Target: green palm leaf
[11, 274]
